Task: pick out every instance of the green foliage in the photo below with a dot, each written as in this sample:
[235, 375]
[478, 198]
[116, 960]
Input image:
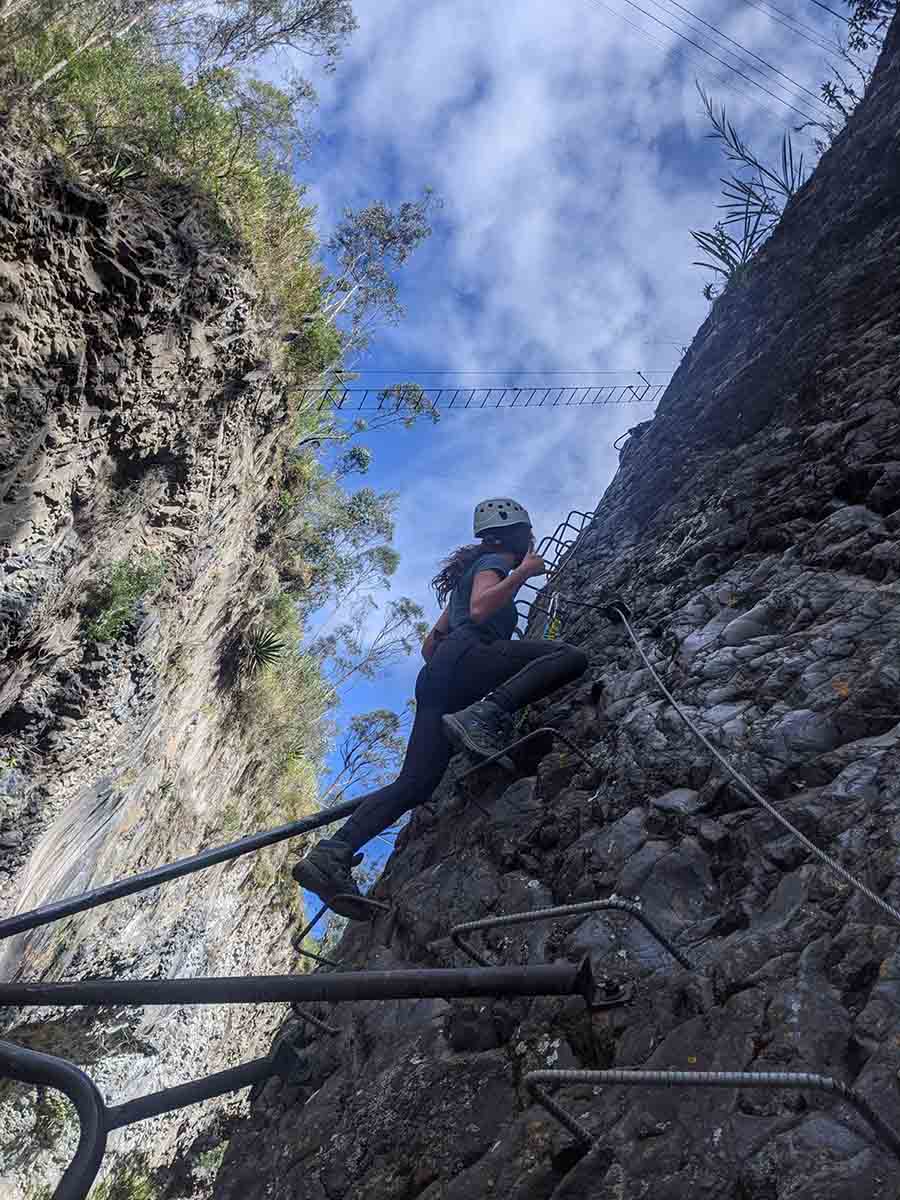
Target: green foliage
[39, 1191]
[209, 1162]
[55, 1117]
[869, 22]
[728, 255]
[369, 752]
[851, 69]
[403, 404]
[356, 460]
[286, 703]
[366, 244]
[281, 614]
[753, 202]
[111, 603]
[315, 347]
[136, 90]
[350, 649]
[229, 820]
[335, 544]
[124, 1184]
[117, 117]
[245, 30]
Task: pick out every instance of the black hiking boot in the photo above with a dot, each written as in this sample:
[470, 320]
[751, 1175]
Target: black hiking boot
[483, 729]
[326, 871]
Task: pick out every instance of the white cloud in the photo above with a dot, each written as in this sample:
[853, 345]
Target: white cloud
[570, 151]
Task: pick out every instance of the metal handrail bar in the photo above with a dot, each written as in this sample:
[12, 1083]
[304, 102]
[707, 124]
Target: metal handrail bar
[220, 1084]
[553, 979]
[30, 1066]
[96, 1120]
[48, 913]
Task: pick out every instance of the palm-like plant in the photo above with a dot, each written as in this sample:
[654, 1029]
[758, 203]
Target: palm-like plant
[262, 648]
[752, 204]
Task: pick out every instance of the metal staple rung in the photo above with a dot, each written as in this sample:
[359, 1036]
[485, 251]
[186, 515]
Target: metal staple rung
[96, 1118]
[564, 910]
[306, 1016]
[782, 1079]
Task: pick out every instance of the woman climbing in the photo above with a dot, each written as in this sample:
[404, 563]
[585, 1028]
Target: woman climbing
[473, 681]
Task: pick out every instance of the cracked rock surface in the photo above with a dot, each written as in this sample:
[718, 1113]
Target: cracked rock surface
[754, 532]
[128, 427]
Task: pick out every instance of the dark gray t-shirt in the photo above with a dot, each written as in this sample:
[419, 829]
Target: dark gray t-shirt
[503, 621]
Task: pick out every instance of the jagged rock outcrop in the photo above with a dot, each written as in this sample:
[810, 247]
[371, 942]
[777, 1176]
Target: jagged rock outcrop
[127, 333]
[754, 530]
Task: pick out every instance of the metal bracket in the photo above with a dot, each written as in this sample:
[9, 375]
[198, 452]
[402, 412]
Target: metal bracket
[297, 940]
[529, 737]
[609, 994]
[305, 1016]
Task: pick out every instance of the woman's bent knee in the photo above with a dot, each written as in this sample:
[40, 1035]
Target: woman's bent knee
[576, 660]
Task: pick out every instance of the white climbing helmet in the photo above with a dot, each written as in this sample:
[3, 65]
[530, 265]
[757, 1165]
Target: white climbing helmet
[497, 514]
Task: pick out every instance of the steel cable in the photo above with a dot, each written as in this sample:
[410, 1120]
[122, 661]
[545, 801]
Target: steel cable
[751, 790]
[735, 774]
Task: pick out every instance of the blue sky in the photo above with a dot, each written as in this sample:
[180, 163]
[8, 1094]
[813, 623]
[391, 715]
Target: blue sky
[570, 151]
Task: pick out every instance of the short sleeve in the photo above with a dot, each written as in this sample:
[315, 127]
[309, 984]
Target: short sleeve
[493, 562]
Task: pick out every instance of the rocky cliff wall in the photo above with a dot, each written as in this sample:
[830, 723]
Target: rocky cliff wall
[135, 421]
[754, 529]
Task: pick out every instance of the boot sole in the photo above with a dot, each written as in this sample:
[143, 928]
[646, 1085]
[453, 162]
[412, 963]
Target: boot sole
[459, 736]
[316, 881]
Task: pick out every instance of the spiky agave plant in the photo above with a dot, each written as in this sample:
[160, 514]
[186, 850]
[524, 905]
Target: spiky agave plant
[262, 648]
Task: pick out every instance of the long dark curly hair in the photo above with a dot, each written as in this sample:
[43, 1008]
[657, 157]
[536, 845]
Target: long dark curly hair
[455, 565]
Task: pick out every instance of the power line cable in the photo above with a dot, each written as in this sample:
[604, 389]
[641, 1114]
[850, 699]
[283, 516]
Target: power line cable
[794, 82]
[702, 34]
[728, 83]
[720, 78]
[840, 16]
[817, 40]
[800, 112]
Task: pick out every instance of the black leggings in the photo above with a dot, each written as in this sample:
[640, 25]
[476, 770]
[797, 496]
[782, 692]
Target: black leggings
[462, 669]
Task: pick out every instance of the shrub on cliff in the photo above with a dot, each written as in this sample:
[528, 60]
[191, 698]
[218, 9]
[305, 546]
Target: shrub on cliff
[113, 599]
[119, 119]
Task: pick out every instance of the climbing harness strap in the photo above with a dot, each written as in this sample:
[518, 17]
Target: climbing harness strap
[553, 624]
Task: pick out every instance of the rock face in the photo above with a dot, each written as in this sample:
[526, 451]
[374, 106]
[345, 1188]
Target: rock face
[754, 530]
[128, 428]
